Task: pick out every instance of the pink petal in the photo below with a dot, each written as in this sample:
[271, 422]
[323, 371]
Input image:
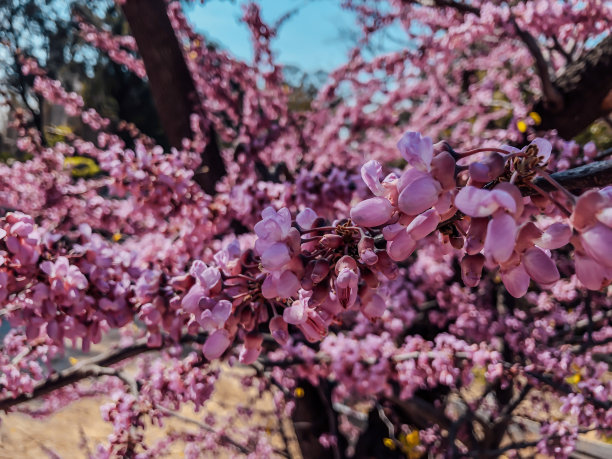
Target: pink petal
[597, 243]
[268, 288]
[528, 235]
[605, 216]
[555, 236]
[501, 234]
[443, 170]
[216, 344]
[295, 314]
[374, 308]
[544, 149]
[419, 196]
[401, 247]
[288, 285]
[306, 218]
[540, 266]
[513, 191]
[516, 281]
[221, 312]
[191, 301]
[279, 330]
[469, 201]
[503, 200]
[391, 231]
[587, 206]
[410, 176]
[471, 269]
[423, 224]
[276, 256]
[371, 172]
[476, 234]
[590, 273]
[372, 212]
[416, 149]
[489, 169]
[248, 356]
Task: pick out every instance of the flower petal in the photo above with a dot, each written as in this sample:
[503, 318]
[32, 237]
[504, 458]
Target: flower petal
[372, 212]
[540, 267]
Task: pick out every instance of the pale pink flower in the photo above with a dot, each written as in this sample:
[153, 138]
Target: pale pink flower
[417, 150]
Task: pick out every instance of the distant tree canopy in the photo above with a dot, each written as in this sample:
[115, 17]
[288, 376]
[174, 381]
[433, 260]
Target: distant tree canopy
[47, 31]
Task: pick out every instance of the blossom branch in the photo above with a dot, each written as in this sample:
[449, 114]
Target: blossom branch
[94, 367]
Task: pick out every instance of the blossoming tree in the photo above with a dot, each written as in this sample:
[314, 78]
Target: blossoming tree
[418, 263]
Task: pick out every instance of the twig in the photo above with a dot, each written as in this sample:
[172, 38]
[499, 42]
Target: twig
[201, 425]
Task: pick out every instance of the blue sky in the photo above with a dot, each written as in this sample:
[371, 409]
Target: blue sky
[317, 37]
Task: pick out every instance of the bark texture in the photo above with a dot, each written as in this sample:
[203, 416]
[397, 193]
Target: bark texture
[171, 82]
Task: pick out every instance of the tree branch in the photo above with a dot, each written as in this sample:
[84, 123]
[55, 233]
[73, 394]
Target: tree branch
[597, 174]
[91, 368]
[552, 97]
[456, 5]
[171, 83]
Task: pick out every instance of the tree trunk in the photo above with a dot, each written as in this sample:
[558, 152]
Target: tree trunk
[586, 88]
[171, 83]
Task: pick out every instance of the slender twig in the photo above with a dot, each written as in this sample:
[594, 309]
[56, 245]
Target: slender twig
[201, 425]
[560, 206]
[465, 154]
[556, 184]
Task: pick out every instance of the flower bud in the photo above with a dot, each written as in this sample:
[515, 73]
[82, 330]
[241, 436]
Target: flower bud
[279, 330]
[331, 241]
[471, 269]
[320, 270]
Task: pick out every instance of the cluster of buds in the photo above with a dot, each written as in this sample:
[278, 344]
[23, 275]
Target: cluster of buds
[479, 209]
[308, 272]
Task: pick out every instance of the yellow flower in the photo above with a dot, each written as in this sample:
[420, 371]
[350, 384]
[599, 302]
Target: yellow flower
[521, 126]
[412, 439]
[535, 116]
[389, 443]
[574, 379]
[298, 392]
[81, 166]
[116, 237]
[72, 360]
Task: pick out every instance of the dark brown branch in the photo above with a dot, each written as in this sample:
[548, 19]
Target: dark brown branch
[597, 174]
[558, 47]
[171, 82]
[552, 97]
[456, 5]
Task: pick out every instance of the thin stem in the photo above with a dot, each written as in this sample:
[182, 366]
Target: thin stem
[465, 154]
[556, 184]
[311, 239]
[241, 276]
[203, 426]
[561, 207]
